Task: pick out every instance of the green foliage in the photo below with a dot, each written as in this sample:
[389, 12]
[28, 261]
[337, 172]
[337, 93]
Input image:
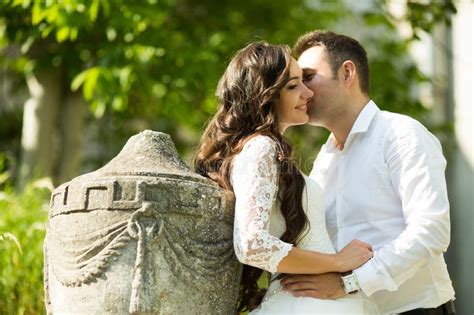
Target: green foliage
[159, 61]
[424, 16]
[5, 172]
[155, 64]
[22, 230]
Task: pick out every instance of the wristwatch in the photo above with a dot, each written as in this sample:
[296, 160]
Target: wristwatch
[349, 283]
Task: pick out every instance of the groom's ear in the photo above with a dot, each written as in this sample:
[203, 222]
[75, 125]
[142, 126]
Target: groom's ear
[349, 72]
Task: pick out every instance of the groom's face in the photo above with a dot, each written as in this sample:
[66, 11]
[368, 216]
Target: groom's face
[319, 78]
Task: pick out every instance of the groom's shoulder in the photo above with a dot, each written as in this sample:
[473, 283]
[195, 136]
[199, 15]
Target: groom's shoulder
[398, 124]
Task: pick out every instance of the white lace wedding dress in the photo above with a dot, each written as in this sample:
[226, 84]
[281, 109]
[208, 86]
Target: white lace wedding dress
[259, 224]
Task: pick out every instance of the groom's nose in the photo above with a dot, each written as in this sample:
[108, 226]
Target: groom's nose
[307, 94]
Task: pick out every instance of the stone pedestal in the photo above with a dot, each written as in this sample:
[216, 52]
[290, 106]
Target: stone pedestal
[143, 234]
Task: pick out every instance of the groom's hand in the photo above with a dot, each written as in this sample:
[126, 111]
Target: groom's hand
[322, 286]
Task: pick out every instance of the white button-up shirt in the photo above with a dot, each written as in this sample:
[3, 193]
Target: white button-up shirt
[387, 188]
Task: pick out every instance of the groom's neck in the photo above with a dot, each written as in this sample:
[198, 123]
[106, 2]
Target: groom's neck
[342, 125]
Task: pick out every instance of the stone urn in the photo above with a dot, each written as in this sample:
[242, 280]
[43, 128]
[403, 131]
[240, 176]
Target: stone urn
[141, 235]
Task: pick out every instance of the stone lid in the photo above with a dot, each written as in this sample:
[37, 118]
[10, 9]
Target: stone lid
[149, 153]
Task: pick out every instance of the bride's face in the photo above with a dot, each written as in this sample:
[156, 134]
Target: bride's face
[294, 96]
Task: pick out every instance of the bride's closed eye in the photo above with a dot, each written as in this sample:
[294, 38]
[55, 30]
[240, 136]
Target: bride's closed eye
[292, 86]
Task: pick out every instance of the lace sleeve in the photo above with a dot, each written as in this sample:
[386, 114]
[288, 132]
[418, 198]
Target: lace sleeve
[254, 177]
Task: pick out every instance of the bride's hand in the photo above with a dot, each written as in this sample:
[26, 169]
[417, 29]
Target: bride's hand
[353, 255]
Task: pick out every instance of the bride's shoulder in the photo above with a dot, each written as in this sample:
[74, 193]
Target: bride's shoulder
[260, 143]
[256, 149]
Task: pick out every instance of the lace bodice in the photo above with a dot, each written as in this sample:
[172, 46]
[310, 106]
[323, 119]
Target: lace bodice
[254, 177]
[258, 220]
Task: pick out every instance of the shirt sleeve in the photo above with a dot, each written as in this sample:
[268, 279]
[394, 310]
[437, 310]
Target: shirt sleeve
[416, 166]
[254, 177]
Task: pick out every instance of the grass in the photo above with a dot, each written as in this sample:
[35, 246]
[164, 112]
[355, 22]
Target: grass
[22, 229]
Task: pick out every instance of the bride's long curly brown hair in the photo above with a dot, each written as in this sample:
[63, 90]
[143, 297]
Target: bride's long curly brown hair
[247, 95]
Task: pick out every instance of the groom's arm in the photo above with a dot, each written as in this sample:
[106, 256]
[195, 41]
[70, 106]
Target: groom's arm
[416, 165]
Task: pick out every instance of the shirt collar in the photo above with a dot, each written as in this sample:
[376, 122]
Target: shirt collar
[365, 117]
[361, 124]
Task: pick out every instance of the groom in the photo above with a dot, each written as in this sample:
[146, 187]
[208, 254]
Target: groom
[383, 180]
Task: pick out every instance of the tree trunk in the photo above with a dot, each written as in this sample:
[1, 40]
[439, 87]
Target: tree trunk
[71, 128]
[38, 131]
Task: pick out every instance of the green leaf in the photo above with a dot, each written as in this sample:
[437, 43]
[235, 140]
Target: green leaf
[23, 3]
[78, 80]
[124, 76]
[89, 79]
[90, 83]
[52, 14]
[106, 7]
[216, 39]
[46, 31]
[98, 108]
[74, 31]
[27, 44]
[62, 34]
[159, 90]
[119, 103]
[94, 10]
[37, 14]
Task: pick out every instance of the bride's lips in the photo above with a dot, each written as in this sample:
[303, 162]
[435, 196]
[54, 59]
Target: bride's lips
[302, 107]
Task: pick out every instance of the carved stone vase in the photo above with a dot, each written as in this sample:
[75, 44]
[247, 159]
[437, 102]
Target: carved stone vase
[141, 235]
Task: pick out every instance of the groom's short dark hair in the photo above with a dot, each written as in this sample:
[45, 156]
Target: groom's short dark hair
[339, 48]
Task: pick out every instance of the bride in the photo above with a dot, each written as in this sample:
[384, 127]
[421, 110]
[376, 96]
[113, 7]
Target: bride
[279, 220]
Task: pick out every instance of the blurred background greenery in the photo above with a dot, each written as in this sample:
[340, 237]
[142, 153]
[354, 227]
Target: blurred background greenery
[79, 77]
